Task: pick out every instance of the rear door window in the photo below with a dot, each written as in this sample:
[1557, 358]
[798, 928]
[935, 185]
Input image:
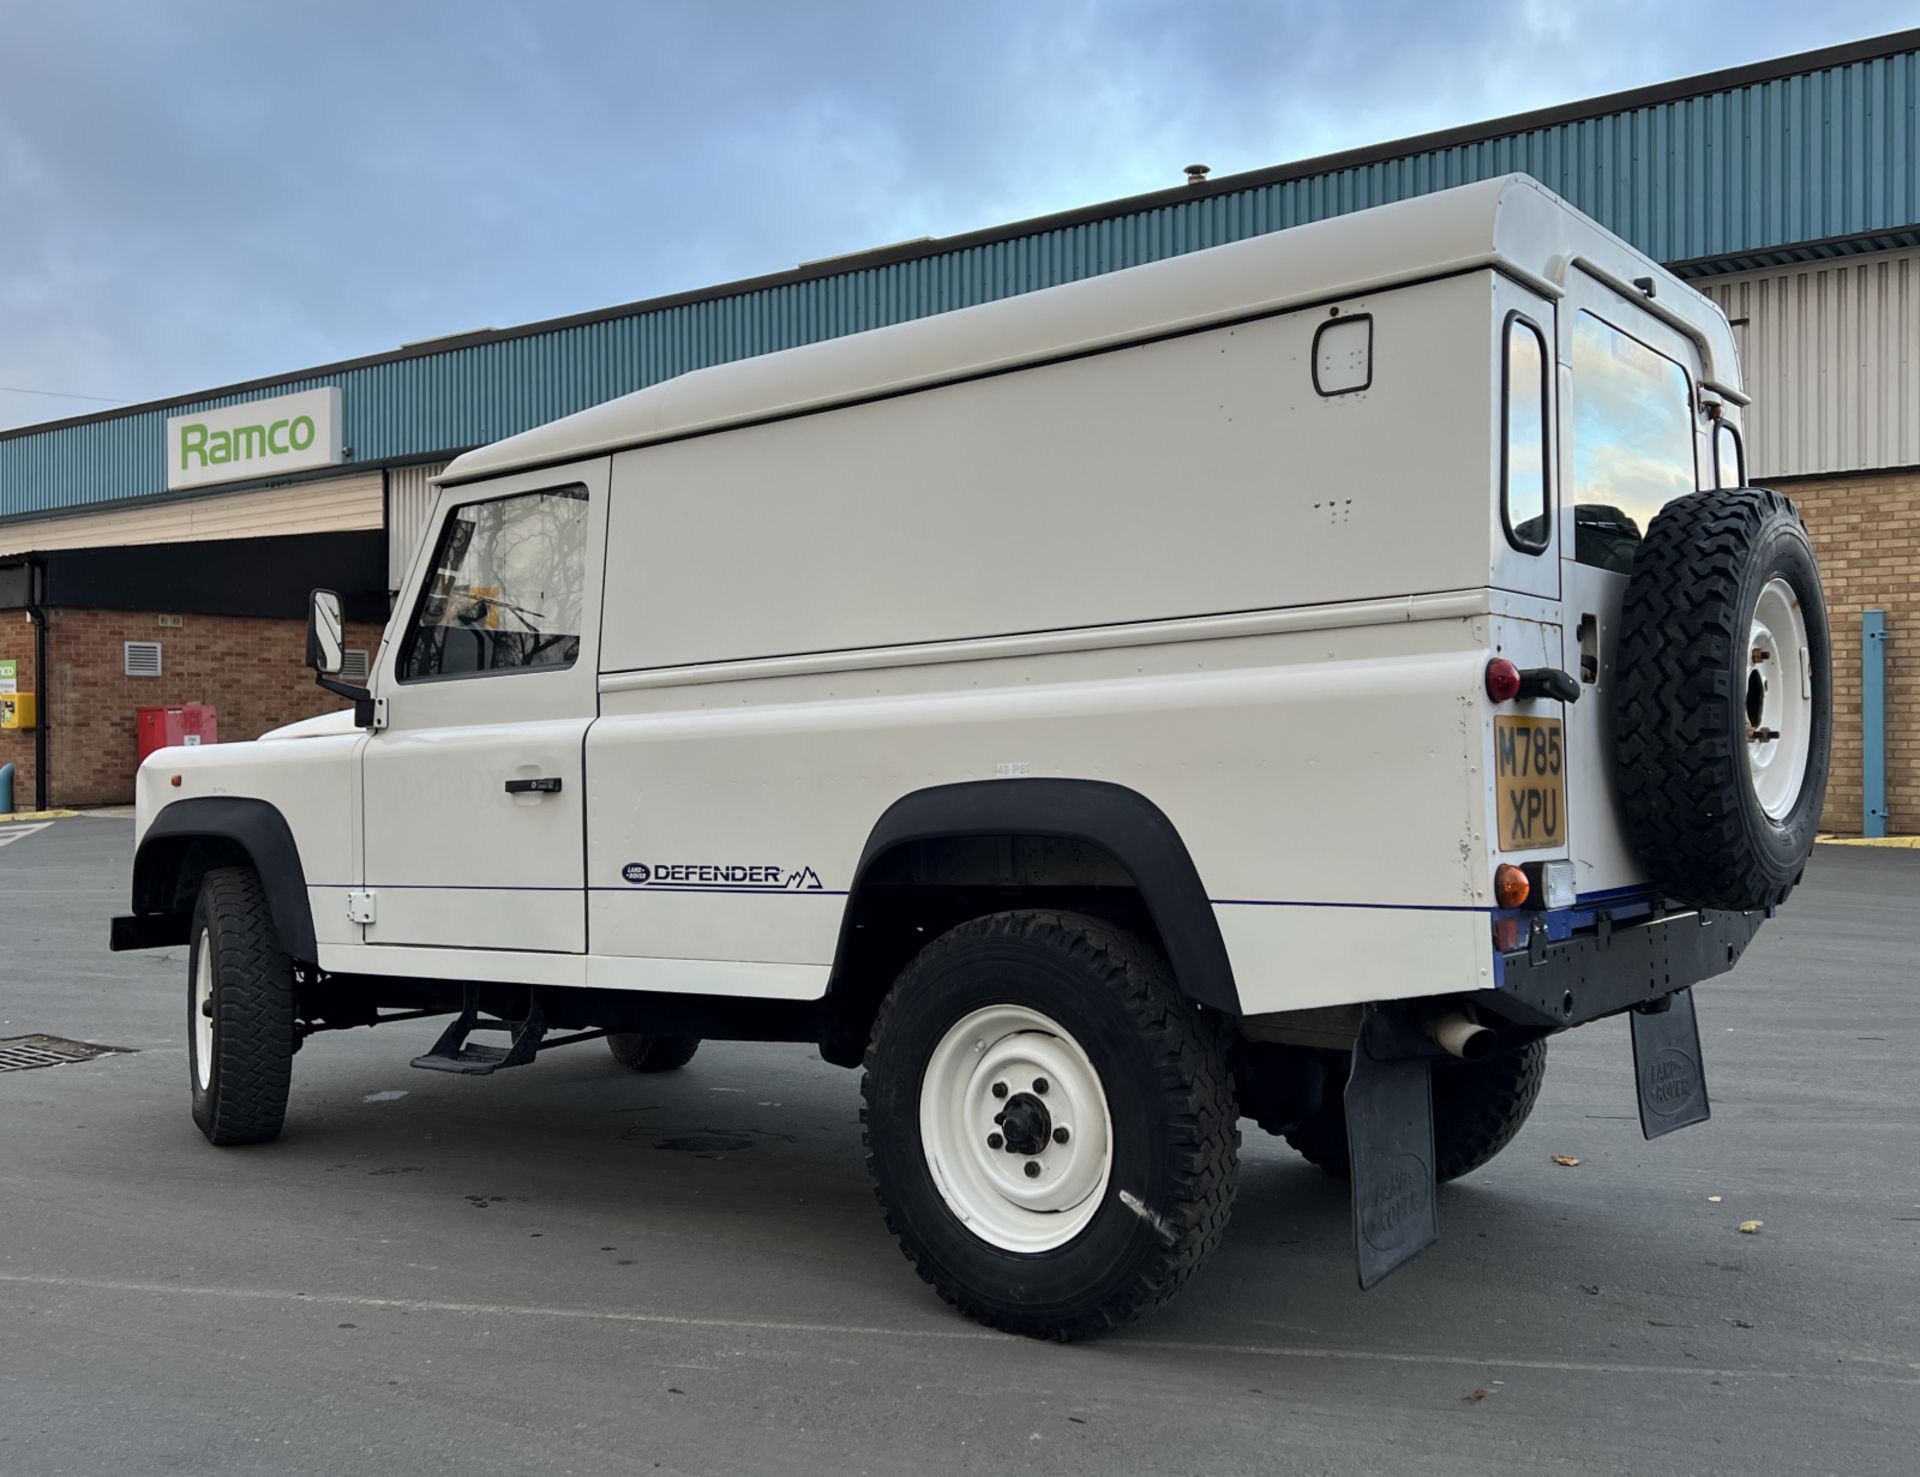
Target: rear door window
[1633, 446]
[1730, 462]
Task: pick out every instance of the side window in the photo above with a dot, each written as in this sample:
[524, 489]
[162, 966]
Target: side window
[1632, 441]
[507, 588]
[1729, 458]
[1523, 458]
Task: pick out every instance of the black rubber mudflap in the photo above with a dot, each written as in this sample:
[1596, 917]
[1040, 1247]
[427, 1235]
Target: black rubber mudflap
[1390, 1149]
[1667, 1062]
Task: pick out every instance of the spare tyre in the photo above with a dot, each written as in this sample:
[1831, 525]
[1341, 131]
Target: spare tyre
[1723, 699]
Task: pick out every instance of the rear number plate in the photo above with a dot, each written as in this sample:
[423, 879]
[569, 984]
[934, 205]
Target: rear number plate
[1529, 769]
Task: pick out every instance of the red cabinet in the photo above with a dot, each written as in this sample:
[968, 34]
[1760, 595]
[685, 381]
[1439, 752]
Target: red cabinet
[190, 723]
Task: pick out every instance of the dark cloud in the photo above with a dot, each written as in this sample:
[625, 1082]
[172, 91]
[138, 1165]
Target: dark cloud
[193, 193]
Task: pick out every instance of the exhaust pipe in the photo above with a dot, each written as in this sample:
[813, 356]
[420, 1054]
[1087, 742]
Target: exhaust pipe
[1458, 1036]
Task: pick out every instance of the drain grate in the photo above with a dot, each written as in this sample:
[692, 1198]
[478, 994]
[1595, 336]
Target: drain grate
[20, 1053]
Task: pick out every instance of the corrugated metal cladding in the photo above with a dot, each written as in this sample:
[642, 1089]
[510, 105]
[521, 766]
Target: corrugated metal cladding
[1831, 355]
[1728, 174]
[409, 500]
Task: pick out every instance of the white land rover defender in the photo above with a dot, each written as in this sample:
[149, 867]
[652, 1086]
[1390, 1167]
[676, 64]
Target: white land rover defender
[1291, 681]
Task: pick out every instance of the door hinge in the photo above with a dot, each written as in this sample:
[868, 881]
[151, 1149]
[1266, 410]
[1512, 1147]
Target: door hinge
[360, 907]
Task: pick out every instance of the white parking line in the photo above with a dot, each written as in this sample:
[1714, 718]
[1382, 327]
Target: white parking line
[11, 834]
[1864, 1370]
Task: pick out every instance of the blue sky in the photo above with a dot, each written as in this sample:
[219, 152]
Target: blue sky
[201, 191]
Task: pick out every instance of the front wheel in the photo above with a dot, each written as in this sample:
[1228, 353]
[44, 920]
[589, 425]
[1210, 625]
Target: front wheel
[240, 1012]
[1050, 1126]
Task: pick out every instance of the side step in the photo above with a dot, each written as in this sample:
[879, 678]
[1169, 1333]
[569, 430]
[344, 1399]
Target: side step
[451, 1053]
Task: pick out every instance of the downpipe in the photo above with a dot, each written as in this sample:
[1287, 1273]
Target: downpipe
[37, 614]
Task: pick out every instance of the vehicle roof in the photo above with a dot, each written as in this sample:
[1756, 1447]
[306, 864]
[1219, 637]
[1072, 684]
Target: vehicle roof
[1513, 223]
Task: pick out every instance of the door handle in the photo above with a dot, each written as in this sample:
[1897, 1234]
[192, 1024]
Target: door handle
[1548, 682]
[549, 785]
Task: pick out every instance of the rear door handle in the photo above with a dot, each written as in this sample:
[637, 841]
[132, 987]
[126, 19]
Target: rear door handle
[548, 785]
[1548, 682]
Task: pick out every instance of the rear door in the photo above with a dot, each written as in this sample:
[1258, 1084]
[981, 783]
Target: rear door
[474, 791]
[1630, 443]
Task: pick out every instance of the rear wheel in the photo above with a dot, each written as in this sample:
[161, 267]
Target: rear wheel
[646, 1052]
[1478, 1108]
[1050, 1126]
[240, 1012]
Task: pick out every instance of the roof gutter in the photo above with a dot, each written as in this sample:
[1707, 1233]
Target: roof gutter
[1709, 378]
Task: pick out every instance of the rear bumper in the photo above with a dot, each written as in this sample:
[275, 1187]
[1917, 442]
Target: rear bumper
[1612, 967]
[147, 931]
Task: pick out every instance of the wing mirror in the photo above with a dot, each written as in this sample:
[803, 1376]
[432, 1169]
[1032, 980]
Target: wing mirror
[326, 633]
[327, 653]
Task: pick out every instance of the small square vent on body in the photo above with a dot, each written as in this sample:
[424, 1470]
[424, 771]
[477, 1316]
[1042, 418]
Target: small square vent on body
[353, 666]
[143, 658]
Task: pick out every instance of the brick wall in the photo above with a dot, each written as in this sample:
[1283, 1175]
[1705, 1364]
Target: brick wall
[251, 670]
[1866, 531]
[16, 746]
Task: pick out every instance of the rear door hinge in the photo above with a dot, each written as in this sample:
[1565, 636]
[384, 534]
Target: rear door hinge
[360, 907]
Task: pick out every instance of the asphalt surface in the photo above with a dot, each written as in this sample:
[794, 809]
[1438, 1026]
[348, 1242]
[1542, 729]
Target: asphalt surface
[571, 1268]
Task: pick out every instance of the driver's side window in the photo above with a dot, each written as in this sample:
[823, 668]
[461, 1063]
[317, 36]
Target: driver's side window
[507, 588]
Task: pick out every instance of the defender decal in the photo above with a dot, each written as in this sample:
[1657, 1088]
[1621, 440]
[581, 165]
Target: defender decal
[727, 877]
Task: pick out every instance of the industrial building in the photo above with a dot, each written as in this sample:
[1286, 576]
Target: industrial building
[160, 554]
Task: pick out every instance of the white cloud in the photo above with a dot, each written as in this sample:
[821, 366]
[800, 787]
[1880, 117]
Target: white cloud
[213, 189]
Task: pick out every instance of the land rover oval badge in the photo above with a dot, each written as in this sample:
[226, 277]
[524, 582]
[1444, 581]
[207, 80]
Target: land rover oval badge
[636, 872]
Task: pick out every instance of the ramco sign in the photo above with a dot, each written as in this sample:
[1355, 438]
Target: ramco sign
[263, 438]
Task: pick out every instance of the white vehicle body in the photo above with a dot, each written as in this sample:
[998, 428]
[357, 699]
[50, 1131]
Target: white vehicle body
[1182, 600]
[1107, 531]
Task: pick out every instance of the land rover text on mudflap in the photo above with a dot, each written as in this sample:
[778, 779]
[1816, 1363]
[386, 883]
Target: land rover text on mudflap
[1292, 681]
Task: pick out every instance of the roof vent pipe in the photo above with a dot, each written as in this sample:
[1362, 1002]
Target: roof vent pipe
[1196, 174]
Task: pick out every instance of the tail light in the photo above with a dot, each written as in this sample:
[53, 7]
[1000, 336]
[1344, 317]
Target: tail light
[1503, 680]
[1510, 885]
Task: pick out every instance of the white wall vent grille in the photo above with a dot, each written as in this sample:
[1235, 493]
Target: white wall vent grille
[143, 658]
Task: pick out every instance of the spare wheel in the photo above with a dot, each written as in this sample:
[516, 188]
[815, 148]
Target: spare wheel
[1723, 699]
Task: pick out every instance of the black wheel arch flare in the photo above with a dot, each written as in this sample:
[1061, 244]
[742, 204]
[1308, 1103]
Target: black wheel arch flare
[258, 829]
[1121, 821]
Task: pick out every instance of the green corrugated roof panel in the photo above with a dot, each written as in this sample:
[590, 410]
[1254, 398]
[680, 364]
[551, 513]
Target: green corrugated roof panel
[1742, 167]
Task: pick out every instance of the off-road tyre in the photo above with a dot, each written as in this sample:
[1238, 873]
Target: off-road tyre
[1162, 1067]
[646, 1052]
[1478, 1107]
[1680, 722]
[250, 1065]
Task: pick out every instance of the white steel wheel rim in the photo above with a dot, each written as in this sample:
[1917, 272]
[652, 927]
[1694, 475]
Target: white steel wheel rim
[990, 1188]
[203, 1012]
[1777, 700]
